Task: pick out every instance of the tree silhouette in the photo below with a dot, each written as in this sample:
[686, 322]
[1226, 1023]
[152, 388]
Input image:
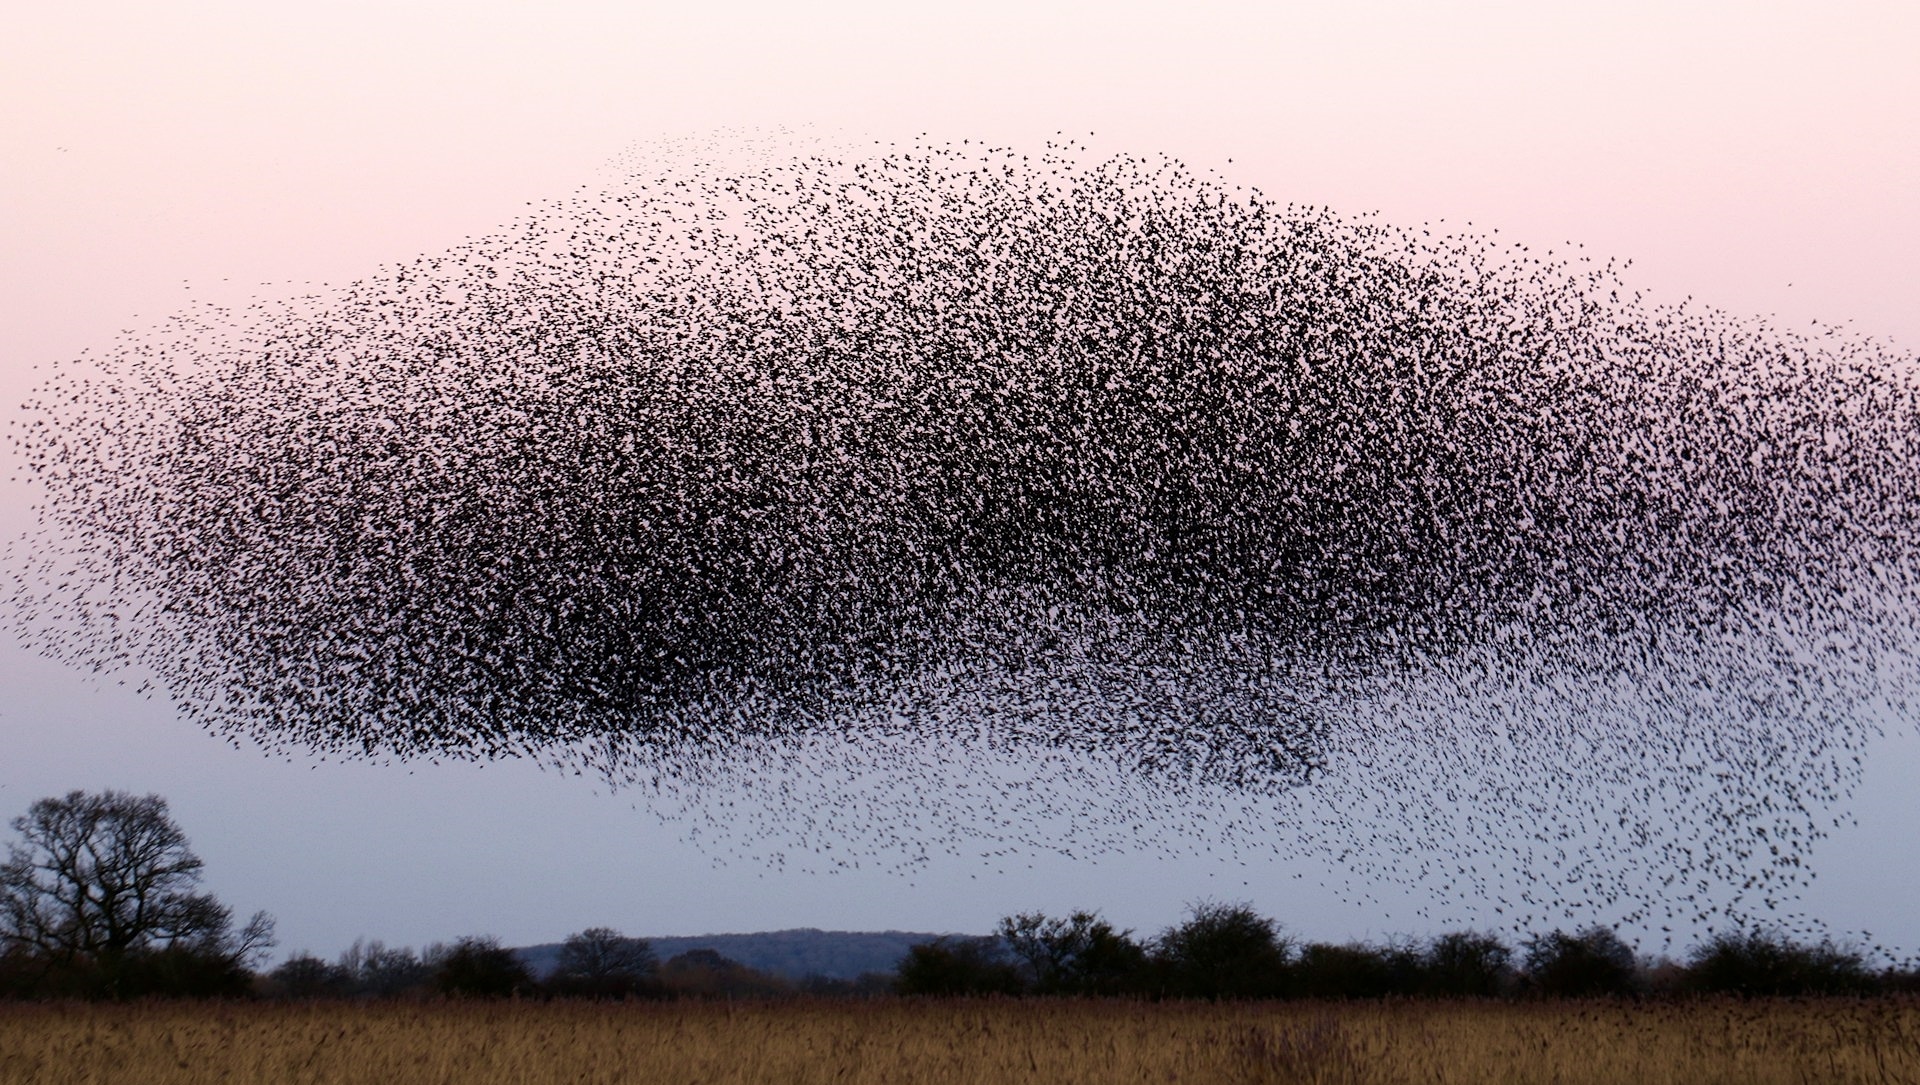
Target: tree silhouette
[1081, 954]
[479, 967]
[1767, 962]
[1592, 962]
[1467, 963]
[603, 963]
[102, 890]
[958, 966]
[1224, 951]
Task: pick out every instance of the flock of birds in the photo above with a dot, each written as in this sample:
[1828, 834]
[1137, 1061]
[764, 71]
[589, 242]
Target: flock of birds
[936, 496]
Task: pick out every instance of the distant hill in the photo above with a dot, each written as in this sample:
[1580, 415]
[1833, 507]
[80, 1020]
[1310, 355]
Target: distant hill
[795, 954]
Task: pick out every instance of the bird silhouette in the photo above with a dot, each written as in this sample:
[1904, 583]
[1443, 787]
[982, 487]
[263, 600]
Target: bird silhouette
[902, 500]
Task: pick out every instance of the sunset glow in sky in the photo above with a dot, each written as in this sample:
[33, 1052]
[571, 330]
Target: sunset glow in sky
[1763, 158]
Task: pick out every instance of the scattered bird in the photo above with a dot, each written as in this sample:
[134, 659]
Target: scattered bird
[899, 500]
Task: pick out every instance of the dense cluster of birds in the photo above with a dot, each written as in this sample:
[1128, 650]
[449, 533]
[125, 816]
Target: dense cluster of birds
[939, 496]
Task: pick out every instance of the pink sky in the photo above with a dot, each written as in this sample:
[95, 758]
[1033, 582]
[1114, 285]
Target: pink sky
[1762, 157]
[1729, 149]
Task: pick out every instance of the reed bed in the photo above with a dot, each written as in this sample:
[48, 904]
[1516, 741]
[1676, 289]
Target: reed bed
[970, 1042]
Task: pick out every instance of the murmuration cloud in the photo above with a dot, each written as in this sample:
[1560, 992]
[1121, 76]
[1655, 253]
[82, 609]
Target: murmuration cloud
[925, 456]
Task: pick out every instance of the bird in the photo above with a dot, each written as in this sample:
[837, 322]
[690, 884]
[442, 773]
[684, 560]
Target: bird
[876, 501]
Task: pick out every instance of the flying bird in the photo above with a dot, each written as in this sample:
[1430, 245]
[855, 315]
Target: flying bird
[936, 495]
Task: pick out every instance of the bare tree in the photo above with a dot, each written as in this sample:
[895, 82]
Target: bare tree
[1081, 954]
[372, 968]
[98, 878]
[603, 962]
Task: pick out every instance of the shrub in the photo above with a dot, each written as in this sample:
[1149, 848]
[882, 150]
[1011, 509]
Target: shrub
[1466, 964]
[1769, 963]
[1223, 951]
[179, 971]
[478, 967]
[705, 973]
[1079, 955]
[306, 976]
[1349, 971]
[958, 966]
[1593, 962]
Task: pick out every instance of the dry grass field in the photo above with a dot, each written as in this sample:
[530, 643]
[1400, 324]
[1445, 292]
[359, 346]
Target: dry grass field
[964, 1042]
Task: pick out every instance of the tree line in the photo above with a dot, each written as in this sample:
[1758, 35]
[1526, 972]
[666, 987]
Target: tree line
[1230, 951]
[100, 898]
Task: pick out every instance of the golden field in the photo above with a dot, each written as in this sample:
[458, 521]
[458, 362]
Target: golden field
[965, 1042]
